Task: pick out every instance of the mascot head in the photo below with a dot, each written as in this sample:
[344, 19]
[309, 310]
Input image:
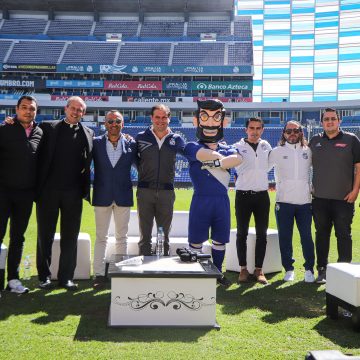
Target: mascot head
[209, 120]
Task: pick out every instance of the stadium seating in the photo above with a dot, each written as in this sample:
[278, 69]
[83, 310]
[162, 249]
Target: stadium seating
[144, 54]
[240, 53]
[242, 28]
[162, 28]
[4, 48]
[199, 54]
[70, 27]
[124, 27]
[90, 53]
[220, 27]
[36, 52]
[24, 26]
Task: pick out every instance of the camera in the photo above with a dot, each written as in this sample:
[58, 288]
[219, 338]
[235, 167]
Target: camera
[187, 255]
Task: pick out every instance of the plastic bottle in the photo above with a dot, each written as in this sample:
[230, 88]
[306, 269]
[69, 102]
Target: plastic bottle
[159, 248]
[27, 268]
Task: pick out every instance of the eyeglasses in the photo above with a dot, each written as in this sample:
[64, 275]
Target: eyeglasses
[204, 116]
[110, 122]
[290, 131]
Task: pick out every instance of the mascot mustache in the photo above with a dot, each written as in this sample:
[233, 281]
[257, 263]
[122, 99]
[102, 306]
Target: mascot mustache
[210, 139]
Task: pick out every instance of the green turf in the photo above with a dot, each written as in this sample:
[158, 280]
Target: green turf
[279, 321]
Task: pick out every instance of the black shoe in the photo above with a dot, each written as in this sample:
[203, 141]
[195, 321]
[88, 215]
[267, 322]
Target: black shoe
[224, 281]
[321, 279]
[100, 282]
[46, 285]
[69, 285]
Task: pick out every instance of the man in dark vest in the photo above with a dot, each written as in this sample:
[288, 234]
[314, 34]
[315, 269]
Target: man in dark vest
[19, 148]
[63, 181]
[113, 193]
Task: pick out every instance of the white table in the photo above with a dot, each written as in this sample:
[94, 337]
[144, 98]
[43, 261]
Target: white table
[163, 291]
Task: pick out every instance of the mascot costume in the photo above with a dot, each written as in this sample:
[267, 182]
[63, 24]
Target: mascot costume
[210, 161]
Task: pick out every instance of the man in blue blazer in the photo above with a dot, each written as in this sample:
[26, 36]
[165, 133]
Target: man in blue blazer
[113, 156]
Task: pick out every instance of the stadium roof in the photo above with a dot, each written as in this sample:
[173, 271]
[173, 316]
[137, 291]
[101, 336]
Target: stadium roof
[120, 6]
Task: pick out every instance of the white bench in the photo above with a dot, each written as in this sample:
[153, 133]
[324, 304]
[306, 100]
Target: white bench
[272, 261]
[343, 289]
[83, 260]
[3, 256]
[178, 235]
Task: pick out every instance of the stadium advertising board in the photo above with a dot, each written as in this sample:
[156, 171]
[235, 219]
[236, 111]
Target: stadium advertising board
[222, 85]
[153, 69]
[178, 69]
[225, 100]
[148, 99]
[21, 83]
[45, 68]
[176, 85]
[85, 98]
[78, 68]
[133, 85]
[75, 84]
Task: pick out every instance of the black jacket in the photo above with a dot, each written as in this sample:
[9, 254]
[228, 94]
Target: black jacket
[51, 130]
[19, 156]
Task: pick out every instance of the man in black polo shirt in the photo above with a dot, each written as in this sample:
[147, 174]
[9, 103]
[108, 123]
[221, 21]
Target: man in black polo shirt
[19, 145]
[336, 182]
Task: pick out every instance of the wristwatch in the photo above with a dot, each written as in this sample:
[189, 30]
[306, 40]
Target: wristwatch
[217, 163]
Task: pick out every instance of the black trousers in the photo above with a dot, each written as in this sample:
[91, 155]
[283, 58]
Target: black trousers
[246, 204]
[15, 205]
[69, 204]
[328, 213]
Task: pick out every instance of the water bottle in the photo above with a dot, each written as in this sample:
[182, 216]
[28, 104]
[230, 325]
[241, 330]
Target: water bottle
[159, 248]
[27, 268]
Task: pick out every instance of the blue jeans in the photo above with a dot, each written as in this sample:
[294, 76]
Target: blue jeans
[285, 214]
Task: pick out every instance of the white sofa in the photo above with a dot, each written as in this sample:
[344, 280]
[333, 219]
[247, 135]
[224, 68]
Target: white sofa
[343, 289]
[272, 261]
[83, 261]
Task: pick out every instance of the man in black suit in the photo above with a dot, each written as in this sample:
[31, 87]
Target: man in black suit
[19, 148]
[63, 181]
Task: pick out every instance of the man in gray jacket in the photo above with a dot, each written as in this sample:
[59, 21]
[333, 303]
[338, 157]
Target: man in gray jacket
[157, 149]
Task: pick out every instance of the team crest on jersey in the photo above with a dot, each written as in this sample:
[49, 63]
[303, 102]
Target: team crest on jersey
[244, 151]
[305, 156]
[143, 145]
[277, 207]
[318, 145]
[263, 147]
[172, 141]
[285, 157]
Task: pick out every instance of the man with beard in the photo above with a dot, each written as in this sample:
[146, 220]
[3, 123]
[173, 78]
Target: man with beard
[336, 182]
[292, 162]
[210, 162]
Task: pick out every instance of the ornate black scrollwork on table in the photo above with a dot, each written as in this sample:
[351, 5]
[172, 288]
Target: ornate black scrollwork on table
[153, 300]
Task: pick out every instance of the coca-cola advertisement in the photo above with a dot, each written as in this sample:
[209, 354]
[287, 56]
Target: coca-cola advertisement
[133, 85]
[85, 98]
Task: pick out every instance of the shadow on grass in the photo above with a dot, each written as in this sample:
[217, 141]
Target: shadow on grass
[92, 306]
[279, 300]
[339, 332]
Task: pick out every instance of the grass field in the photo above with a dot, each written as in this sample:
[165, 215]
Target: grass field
[279, 321]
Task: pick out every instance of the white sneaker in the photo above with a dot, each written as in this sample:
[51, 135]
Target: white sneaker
[309, 276]
[17, 287]
[289, 275]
